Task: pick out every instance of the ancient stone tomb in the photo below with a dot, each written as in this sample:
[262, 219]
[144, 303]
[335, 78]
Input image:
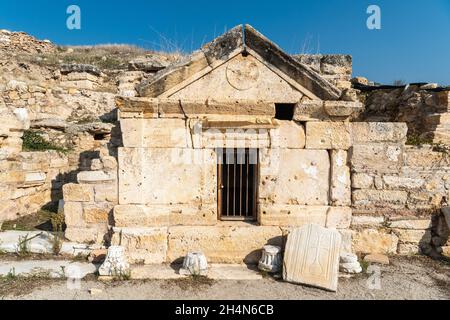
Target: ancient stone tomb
[226, 151]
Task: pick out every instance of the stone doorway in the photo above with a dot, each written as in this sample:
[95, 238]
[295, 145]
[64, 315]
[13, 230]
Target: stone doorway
[238, 176]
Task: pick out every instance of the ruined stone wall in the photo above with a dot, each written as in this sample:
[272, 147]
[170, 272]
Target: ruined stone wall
[397, 190]
[29, 180]
[425, 111]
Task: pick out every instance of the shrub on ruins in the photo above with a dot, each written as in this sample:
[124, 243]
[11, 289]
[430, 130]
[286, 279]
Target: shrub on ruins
[33, 141]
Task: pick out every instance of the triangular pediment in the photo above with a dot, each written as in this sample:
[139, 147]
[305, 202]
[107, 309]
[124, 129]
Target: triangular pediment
[241, 64]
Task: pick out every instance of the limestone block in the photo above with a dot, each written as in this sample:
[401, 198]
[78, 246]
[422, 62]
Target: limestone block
[132, 132]
[232, 138]
[413, 236]
[363, 132]
[339, 217]
[340, 191]
[312, 257]
[74, 76]
[106, 192]
[328, 135]
[79, 84]
[130, 174]
[78, 192]
[342, 108]
[162, 133]
[423, 157]
[292, 215]
[294, 176]
[365, 221]
[167, 176]
[34, 178]
[73, 212]
[92, 234]
[415, 224]
[377, 157]
[289, 135]
[379, 198]
[362, 181]
[164, 215]
[96, 214]
[137, 107]
[109, 162]
[403, 183]
[373, 241]
[90, 177]
[312, 110]
[222, 244]
[147, 245]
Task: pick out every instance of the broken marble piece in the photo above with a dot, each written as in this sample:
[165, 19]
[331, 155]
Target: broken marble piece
[115, 263]
[312, 257]
[348, 263]
[270, 259]
[194, 263]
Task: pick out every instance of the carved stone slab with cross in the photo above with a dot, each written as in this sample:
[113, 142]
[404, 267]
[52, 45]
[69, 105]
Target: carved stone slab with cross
[312, 257]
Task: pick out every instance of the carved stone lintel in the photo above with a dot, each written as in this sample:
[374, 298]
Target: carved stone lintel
[271, 259]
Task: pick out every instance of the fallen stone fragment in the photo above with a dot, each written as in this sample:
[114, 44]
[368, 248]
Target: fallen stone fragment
[312, 257]
[352, 268]
[377, 258]
[348, 258]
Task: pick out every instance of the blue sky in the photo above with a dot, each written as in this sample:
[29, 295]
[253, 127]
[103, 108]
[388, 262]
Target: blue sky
[413, 44]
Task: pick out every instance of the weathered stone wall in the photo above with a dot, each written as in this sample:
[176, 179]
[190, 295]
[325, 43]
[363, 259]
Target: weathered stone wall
[167, 176]
[397, 190]
[88, 203]
[29, 180]
[425, 111]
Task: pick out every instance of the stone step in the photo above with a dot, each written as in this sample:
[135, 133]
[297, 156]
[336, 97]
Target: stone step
[41, 244]
[47, 268]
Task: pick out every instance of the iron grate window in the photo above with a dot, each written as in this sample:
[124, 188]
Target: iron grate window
[237, 183]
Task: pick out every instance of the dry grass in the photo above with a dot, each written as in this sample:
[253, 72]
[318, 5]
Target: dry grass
[107, 57]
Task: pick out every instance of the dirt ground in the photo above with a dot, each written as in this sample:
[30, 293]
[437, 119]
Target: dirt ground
[406, 278]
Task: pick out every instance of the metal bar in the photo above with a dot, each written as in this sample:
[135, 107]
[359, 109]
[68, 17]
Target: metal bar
[247, 158]
[240, 184]
[234, 181]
